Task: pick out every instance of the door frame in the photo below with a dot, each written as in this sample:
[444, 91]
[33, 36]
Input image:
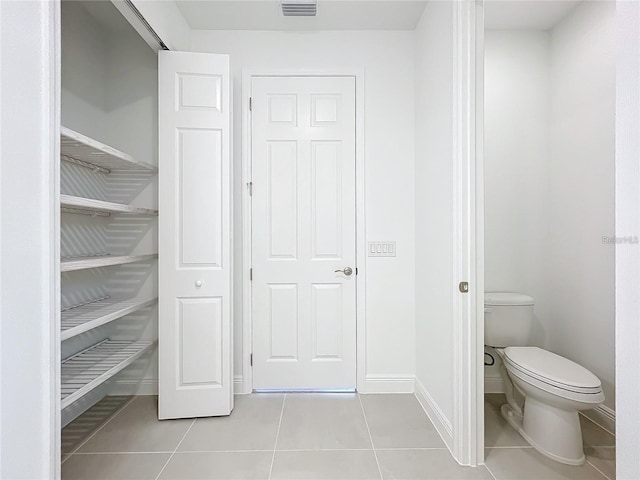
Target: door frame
[468, 210]
[244, 384]
[31, 360]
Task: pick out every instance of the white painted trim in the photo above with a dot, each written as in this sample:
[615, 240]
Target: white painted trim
[167, 21]
[477, 233]
[603, 416]
[468, 348]
[238, 385]
[435, 414]
[30, 355]
[54, 212]
[125, 9]
[247, 331]
[627, 222]
[247, 314]
[1, 224]
[390, 383]
[493, 384]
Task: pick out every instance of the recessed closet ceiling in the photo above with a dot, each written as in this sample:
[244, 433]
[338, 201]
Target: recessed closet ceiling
[526, 14]
[332, 15]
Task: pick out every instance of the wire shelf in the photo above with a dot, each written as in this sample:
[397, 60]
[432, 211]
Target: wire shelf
[92, 367]
[85, 151]
[91, 205]
[90, 315]
[70, 264]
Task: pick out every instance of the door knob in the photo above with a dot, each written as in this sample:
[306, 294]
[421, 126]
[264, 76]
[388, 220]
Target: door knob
[347, 271]
[198, 283]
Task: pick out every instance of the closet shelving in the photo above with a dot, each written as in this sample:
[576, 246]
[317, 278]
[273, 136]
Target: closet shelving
[87, 152]
[70, 264]
[70, 202]
[88, 369]
[81, 318]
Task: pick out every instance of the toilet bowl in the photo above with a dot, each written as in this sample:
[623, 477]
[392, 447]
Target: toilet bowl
[554, 388]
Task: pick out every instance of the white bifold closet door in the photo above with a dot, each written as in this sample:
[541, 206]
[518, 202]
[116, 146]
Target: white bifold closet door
[195, 349]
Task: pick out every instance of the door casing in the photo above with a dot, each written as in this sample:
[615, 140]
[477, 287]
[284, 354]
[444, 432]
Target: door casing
[245, 383]
[468, 208]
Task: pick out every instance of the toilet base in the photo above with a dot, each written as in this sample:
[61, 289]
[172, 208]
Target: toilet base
[553, 432]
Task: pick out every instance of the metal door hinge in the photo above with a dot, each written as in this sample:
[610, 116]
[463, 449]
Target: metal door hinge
[463, 287]
[251, 360]
[251, 274]
[250, 104]
[250, 187]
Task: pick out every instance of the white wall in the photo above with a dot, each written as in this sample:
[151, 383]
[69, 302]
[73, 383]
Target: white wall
[389, 140]
[29, 300]
[516, 168]
[434, 208]
[579, 318]
[109, 83]
[84, 72]
[549, 181]
[627, 256]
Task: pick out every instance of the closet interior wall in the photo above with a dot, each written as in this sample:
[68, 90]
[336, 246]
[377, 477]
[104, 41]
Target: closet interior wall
[109, 93]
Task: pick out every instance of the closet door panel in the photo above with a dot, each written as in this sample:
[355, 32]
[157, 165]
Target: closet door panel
[195, 377]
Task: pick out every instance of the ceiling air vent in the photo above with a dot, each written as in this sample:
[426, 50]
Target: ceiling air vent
[299, 8]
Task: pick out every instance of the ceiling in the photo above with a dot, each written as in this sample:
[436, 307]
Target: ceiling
[332, 15]
[526, 14]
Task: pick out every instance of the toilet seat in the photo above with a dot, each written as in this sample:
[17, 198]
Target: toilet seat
[551, 372]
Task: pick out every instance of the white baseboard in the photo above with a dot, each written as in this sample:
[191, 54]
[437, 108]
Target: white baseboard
[603, 416]
[126, 386]
[435, 414]
[493, 385]
[238, 385]
[389, 384]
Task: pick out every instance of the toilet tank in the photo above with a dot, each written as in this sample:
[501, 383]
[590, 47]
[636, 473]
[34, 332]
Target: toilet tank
[507, 319]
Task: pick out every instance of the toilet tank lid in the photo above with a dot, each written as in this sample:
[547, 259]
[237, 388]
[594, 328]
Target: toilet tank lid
[507, 298]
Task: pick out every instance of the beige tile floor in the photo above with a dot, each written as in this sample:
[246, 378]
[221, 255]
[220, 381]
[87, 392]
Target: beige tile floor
[303, 436]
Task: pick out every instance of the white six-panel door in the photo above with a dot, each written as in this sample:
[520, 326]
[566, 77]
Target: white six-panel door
[303, 230]
[195, 349]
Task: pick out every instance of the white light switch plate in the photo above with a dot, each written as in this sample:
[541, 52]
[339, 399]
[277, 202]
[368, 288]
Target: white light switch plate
[382, 249]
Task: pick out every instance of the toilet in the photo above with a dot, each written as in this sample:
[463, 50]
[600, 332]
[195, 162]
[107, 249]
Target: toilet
[554, 388]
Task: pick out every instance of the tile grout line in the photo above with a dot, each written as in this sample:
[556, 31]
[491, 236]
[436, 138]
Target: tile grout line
[402, 449]
[176, 449]
[296, 450]
[84, 442]
[366, 422]
[141, 452]
[599, 471]
[123, 453]
[489, 470]
[507, 447]
[275, 445]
